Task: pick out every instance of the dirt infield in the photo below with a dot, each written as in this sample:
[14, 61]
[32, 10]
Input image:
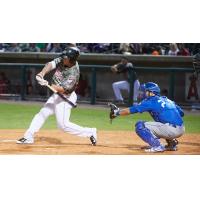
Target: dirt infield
[54, 142]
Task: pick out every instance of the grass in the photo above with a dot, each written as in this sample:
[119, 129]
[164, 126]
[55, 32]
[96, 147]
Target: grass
[18, 116]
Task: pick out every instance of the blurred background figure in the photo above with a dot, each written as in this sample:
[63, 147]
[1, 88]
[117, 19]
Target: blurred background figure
[34, 48]
[4, 83]
[125, 49]
[29, 47]
[182, 50]
[41, 46]
[173, 49]
[135, 48]
[54, 48]
[13, 47]
[124, 67]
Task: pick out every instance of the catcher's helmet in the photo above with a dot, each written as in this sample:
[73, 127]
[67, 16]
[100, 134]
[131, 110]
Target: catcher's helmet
[152, 87]
[72, 53]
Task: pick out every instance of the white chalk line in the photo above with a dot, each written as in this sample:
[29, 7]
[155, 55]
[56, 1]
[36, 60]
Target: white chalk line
[49, 146]
[4, 141]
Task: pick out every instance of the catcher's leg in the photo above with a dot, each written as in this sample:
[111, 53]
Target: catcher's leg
[168, 132]
[147, 136]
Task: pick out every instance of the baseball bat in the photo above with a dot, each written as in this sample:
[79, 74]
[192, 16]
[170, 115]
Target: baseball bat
[61, 95]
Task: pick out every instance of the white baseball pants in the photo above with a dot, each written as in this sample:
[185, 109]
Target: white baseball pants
[124, 85]
[56, 105]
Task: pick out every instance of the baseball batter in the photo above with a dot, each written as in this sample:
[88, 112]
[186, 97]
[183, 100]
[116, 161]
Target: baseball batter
[64, 81]
[168, 123]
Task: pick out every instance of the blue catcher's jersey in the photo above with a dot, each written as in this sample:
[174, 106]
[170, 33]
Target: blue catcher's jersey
[161, 109]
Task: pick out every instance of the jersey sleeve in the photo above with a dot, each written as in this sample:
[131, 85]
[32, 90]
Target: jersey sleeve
[180, 110]
[129, 66]
[144, 106]
[55, 62]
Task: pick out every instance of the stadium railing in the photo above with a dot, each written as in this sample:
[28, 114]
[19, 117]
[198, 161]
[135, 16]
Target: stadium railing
[93, 70]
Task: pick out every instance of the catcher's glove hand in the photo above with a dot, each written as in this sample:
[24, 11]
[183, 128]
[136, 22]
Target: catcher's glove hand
[114, 111]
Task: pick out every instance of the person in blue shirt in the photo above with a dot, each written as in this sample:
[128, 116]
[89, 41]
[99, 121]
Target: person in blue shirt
[167, 124]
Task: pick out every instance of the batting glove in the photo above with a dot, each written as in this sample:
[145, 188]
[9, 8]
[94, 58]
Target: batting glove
[41, 80]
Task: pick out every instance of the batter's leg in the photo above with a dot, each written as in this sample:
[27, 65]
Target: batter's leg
[62, 112]
[36, 124]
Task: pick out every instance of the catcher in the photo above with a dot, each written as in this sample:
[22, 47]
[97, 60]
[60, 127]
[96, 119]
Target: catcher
[168, 122]
[65, 78]
[123, 68]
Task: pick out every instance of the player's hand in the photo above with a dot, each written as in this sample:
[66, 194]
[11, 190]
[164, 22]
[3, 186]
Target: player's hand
[114, 68]
[41, 80]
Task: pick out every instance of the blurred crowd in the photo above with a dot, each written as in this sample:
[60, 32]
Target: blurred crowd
[173, 49]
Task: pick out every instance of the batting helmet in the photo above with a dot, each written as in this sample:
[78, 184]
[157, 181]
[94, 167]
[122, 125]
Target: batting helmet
[152, 87]
[72, 53]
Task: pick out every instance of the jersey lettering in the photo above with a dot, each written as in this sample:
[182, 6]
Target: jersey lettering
[162, 103]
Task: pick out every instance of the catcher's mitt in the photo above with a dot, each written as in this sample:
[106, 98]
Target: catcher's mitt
[114, 111]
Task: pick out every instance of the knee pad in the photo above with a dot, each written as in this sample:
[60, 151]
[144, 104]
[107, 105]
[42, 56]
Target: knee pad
[139, 126]
[145, 134]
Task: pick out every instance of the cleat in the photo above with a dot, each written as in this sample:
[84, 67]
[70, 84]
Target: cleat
[25, 141]
[171, 145]
[145, 147]
[93, 138]
[155, 149]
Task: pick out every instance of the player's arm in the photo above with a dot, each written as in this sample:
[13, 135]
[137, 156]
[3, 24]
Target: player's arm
[67, 86]
[47, 68]
[134, 109]
[125, 111]
[114, 68]
[59, 89]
